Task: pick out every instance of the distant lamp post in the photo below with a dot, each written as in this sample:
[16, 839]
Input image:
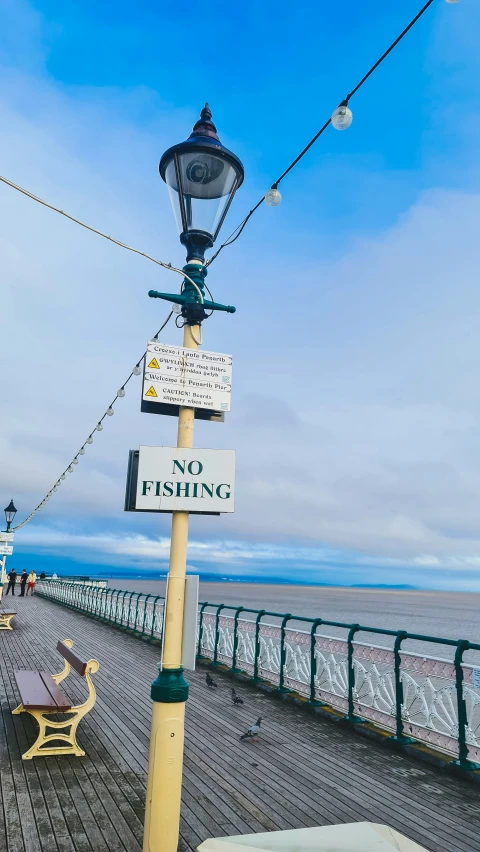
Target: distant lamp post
[202, 177]
[10, 513]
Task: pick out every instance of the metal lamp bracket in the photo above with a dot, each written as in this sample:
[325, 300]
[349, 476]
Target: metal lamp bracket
[191, 299]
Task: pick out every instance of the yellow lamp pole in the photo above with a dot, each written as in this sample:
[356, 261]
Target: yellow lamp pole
[170, 689]
[202, 176]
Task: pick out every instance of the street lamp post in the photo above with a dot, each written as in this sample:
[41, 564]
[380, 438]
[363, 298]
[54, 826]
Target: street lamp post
[202, 177]
[10, 513]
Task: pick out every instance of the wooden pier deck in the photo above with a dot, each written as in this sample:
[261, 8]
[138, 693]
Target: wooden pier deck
[305, 771]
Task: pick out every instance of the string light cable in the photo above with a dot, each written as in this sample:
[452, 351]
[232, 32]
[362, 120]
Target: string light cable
[161, 263]
[341, 119]
[98, 428]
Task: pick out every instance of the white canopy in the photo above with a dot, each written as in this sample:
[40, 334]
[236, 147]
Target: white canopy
[353, 837]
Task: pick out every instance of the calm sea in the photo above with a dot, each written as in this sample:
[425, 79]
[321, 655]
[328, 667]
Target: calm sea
[450, 615]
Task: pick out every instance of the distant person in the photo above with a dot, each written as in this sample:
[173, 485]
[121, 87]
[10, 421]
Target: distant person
[31, 580]
[23, 583]
[43, 575]
[12, 579]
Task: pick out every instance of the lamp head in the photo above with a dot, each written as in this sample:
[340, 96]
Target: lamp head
[10, 513]
[202, 177]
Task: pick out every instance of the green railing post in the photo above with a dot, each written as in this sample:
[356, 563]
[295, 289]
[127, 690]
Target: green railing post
[217, 633]
[145, 613]
[139, 595]
[105, 596]
[235, 638]
[97, 607]
[313, 662]
[154, 613]
[122, 611]
[84, 598]
[118, 605]
[257, 643]
[110, 611]
[350, 717]
[200, 632]
[463, 761]
[397, 664]
[129, 608]
[283, 653]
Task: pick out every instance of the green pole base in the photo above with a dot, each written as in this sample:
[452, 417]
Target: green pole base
[169, 687]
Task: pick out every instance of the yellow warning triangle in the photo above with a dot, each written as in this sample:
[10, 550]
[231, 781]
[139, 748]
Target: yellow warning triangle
[151, 392]
[154, 365]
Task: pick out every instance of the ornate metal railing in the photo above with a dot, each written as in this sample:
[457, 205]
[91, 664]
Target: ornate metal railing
[415, 697]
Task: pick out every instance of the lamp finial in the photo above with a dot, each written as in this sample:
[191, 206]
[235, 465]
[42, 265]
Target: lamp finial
[205, 126]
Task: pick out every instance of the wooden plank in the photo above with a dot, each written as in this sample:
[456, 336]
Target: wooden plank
[34, 694]
[72, 658]
[56, 692]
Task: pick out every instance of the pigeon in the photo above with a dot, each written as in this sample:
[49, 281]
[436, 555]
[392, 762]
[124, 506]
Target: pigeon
[210, 681]
[236, 698]
[253, 731]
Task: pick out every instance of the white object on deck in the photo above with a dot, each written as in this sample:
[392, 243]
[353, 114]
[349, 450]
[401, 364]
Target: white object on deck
[353, 837]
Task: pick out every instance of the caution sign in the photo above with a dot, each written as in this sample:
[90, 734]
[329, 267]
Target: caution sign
[154, 366]
[151, 391]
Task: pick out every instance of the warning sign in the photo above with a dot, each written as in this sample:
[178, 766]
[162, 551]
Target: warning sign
[176, 376]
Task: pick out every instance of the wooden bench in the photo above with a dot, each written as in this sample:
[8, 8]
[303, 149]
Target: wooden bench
[6, 616]
[41, 696]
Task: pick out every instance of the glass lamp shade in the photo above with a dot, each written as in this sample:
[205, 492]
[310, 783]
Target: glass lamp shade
[202, 177]
[10, 512]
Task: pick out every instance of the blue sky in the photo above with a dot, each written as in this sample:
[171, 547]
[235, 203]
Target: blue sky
[355, 409]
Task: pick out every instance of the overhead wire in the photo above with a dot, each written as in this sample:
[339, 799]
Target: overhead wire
[98, 428]
[234, 235]
[91, 228]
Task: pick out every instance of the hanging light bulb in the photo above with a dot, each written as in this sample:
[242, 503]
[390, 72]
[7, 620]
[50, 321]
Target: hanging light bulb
[70, 468]
[342, 116]
[55, 488]
[99, 427]
[89, 440]
[110, 411]
[273, 197]
[75, 460]
[81, 451]
[62, 476]
[136, 370]
[121, 393]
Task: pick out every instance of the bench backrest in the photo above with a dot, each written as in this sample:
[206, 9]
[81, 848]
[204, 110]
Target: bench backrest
[72, 658]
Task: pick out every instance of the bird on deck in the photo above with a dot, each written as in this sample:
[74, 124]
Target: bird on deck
[236, 698]
[210, 681]
[253, 731]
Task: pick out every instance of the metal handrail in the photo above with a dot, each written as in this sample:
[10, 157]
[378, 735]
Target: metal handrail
[104, 603]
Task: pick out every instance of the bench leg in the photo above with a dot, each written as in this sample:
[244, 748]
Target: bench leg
[40, 748]
[5, 622]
